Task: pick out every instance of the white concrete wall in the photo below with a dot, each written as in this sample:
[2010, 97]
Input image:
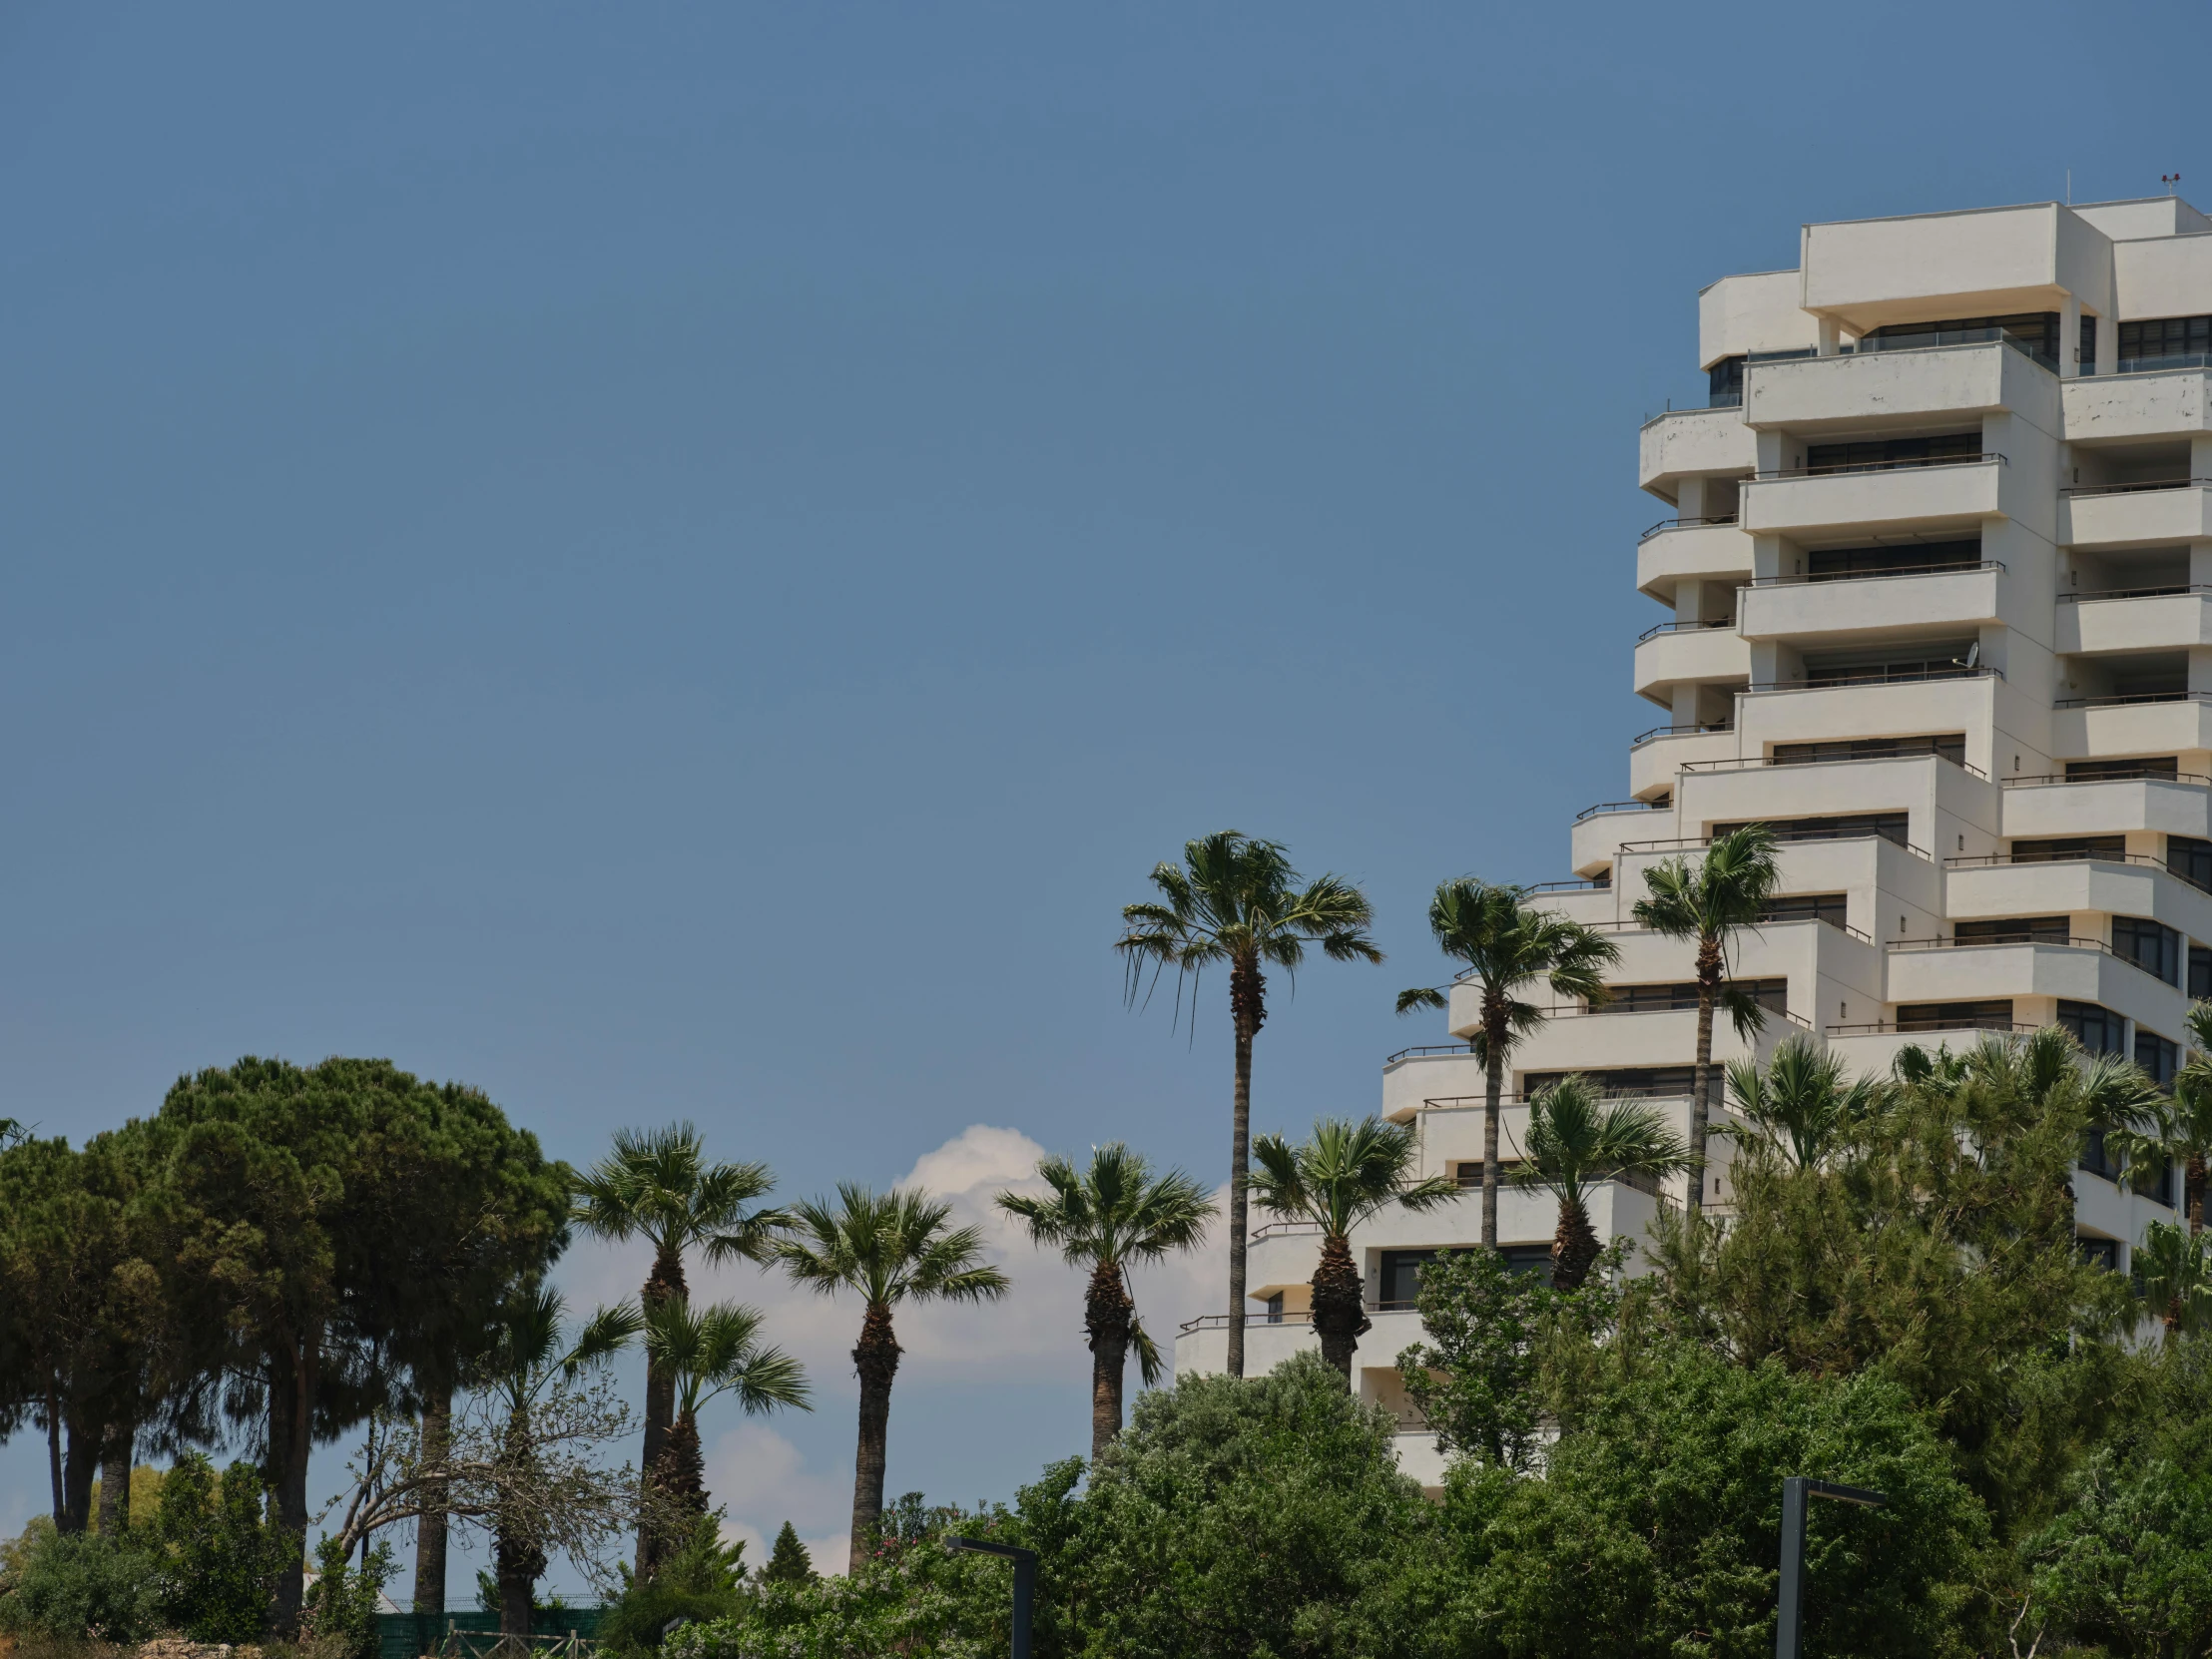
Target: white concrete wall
[1741, 314]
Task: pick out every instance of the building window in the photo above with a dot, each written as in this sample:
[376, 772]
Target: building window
[2015, 930]
[1725, 385]
[2070, 848]
[1992, 1015]
[2149, 766]
[2088, 357]
[1891, 826]
[2191, 859]
[1880, 452]
[2100, 1253]
[2098, 1030]
[1951, 747]
[1900, 665]
[1528, 1258]
[2039, 331]
[2150, 945]
[1275, 1309]
[1399, 1283]
[1842, 564]
[1771, 994]
[2200, 972]
[2095, 1159]
[2165, 336]
[1637, 1082]
[2159, 1058]
[1830, 907]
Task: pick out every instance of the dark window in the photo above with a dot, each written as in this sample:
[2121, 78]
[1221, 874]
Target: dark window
[1275, 1309]
[1993, 1014]
[2200, 972]
[2160, 1058]
[2015, 930]
[2191, 859]
[1806, 906]
[1528, 1258]
[1950, 746]
[1399, 1281]
[2154, 1180]
[2097, 1030]
[2150, 766]
[2150, 945]
[2165, 336]
[2100, 1253]
[1940, 659]
[2088, 357]
[2037, 330]
[1840, 564]
[1625, 1080]
[1891, 826]
[1771, 994]
[2095, 1159]
[1881, 452]
[2062, 851]
[1725, 383]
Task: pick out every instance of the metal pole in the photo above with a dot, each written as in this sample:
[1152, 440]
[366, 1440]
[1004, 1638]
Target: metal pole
[1788, 1628]
[1025, 1585]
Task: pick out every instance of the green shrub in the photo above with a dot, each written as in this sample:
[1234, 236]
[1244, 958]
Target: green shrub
[221, 1557]
[84, 1584]
[701, 1582]
[342, 1603]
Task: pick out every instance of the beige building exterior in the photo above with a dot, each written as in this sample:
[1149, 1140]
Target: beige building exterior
[1933, 598]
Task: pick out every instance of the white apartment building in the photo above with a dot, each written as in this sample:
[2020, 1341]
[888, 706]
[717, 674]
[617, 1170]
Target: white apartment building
[1935, 595]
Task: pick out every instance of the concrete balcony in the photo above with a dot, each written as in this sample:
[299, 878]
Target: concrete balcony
[2076, 973]
[1683, 552]
[1921, 784]
[1925, 497]
[2133, 886]
[1414, 1078]
[2134, 622]
[1591, 905]
[2065, 807]
[1693, 442]
[2086, 731]
[1595, 837]
[2123, 409]
[1608, 1041]
[2156, 516]
[1711, 654]
[1656, 756]
[1855, 864]
[1870, 606]
[1791, 714]
[2105, 1208]
[1811, 395]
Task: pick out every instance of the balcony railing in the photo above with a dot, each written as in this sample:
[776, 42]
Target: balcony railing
[1885, 674]
[1220, 1321]
[1923, 1028]
[2144, 775]
[2077, 491]
[2125, 698]
[1931, 338]
[1782, 837]
[2154, 365]
[1621, 807]
[1657, 732]
[1389, 1060]
[1592, 884]
[2143, 860]
[1658, 628]
[2097, 945]
[1750, 762]
[1870, 575]
[1667, 524]
[2176, 592]
[1909, 464]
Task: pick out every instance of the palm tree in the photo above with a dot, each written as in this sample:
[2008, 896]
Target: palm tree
[1576, 1139]
[1800, 1103]
[708, 1353]
[1727, 889]
[890, 1247]
[2173, 1278]
[2178, 1128]
[1238, 901]
[658, 1185]
[525, 1357]
[1507, 944]
[1345, 1174]
[1105, 1217]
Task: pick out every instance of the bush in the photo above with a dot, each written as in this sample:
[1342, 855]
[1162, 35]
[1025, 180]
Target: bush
[342, 1603]
[701, 1582]
[221, 1557]
[84, 1584]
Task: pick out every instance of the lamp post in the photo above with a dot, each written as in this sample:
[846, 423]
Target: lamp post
[1797, 1491]
[1025, 1583]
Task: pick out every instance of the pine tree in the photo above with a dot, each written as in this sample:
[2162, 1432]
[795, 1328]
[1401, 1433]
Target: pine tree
[789, 1563]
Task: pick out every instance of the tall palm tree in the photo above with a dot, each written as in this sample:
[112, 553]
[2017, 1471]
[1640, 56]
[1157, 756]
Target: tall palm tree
[2173, 1278]
[1345, 1174]
[890, 1247]
[710, 1352]
[1728, 888]
[658, 1185]
[526, 1356]
[1800, 1103]
[1508, 944]
[1576, 1139]
[2178, 1128]
[1237, 901]
[1106, 1217]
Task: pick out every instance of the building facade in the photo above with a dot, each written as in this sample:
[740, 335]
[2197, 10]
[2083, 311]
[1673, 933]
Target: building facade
[1935, 600]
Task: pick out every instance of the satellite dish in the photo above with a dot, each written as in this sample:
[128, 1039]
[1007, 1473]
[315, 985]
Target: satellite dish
[1972, 657]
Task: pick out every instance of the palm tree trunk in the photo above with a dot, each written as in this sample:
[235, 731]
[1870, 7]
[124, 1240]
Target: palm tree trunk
[1573, 1246]
[681, 1480]
[1247, 1006]
[664, 1286]
[1493, 1090]
[1107, 1311]
[1700, 1097]
[519, 1563]
[2193, 1176]
[1339, 1319]
[876, 1359]
[114, 1479]
[290, 1437]
[430, 1528]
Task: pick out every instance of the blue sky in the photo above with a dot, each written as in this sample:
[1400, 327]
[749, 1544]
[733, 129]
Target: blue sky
[684, 562]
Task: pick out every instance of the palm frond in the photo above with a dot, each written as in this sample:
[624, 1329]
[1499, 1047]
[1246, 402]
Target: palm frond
[1422, 996]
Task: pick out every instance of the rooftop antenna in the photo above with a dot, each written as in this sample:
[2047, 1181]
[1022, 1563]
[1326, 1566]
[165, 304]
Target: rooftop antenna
[2069, 186]
[2170, 180]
